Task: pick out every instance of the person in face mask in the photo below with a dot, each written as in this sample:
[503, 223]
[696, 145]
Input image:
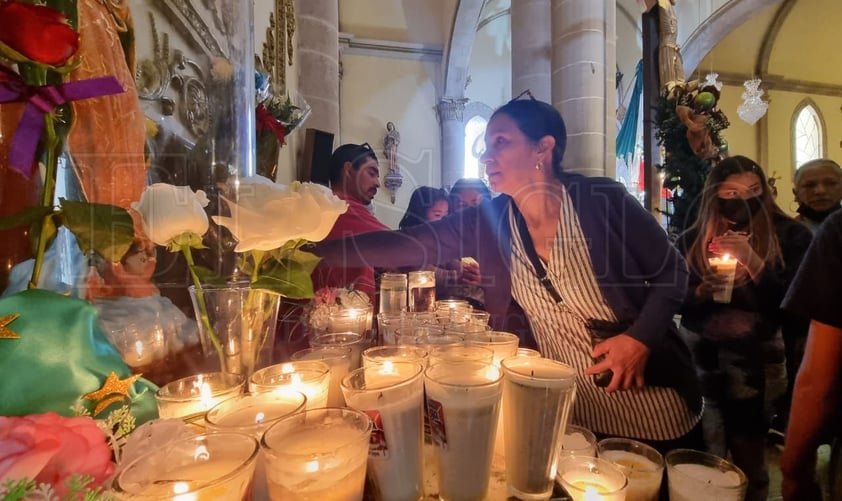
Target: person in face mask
[818, 191]
[741, 346]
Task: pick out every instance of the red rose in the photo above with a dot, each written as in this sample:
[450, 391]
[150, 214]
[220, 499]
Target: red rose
[50, 448]
[39, 33]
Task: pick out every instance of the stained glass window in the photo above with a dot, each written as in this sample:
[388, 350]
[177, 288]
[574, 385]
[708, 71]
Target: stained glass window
[807, 135]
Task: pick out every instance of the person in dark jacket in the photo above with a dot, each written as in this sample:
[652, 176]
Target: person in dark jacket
[607, 267]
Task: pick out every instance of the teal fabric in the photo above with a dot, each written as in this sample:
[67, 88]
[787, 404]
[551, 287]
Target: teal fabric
[62, 355]
[627, 137]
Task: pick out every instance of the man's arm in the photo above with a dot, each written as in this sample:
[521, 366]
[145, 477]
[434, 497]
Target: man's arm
[813, 402]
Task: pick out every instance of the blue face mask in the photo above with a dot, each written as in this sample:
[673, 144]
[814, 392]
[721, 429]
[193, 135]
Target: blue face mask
[739, 210]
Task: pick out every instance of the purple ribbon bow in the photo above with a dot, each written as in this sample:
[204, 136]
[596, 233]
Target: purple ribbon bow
[41, 100]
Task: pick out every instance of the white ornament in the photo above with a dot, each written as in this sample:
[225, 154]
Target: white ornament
[711, 81]
[753, 107]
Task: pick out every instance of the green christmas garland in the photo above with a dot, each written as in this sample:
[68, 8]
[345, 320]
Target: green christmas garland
[685, 166]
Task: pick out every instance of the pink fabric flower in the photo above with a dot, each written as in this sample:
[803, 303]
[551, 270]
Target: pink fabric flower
[50, 448]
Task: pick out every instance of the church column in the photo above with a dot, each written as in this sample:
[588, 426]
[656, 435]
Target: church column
[584, 67]
[318, 49]
[531, 48]
[451, 113]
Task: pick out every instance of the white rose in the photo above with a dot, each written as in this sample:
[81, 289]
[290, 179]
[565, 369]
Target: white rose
[267, 215]
[168, 211]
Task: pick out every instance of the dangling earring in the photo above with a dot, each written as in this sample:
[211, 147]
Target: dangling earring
[538, 165]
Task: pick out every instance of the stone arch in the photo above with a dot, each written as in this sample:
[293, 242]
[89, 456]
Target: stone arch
[716, 27]
[458, 52]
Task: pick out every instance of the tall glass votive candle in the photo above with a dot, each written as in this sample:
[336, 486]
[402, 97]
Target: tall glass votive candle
[393, 293]
[696, 476]
[463, 401]
[201, 468]
[642, 465]
[578, 441]
[354, 341]
[460, 353]
[310, 377]
[591, 479]
[253, 414]
[195, 395]
[537, 396]
[338, 358]
[317, 455]
[503, 344]
[392, 395]
[380, 354]
[422, 290]
[388, 323]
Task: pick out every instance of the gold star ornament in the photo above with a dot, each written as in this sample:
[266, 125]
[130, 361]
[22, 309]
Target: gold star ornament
[113, 390]
[5, 331]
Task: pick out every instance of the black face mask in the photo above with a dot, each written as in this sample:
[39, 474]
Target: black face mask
[816, 215]
[738, 210]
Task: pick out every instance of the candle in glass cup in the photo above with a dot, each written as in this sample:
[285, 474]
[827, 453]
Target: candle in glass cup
[393, 293]
[253, 414]
[528, 352]
[503, 344]
[392, 395]
[318, 455]
[338, 358]
[201, 468]
[356, 320]
[422, 290]
[406, 353]
[352, 340]
[463, 401]
[726, 267]
[578, 441]
[310, 377]
[642, 465]
[195, 395]
[537, 396]
[695, 476]
[428, 342]
[460, 353]
[388, 324]
[591, 479]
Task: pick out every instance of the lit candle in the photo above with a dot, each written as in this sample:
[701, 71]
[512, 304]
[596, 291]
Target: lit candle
[695, 476]
[322, 458]
[643, 466]
[422, 290]
[253, 414]
[380, 354]
[197, 394]
[503, 344]
[726, 267]
[201, 468]
[338, 358]
[310, 377]
[578, 441]
[392, 395]
[463, 401]
[591, 479]
[356, 320]
[355, 341]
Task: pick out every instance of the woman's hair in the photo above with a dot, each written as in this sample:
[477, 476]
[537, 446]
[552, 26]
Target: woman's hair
[710, 222]
[422, 200]
[537, 119]
[468, 183]
[818, 162]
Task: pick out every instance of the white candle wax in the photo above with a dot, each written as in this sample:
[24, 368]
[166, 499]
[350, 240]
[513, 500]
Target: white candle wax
[393, 399]
[329, 477]
[725, 266]
[697, 482]
[184, 483]
[589, 487]
[196, 394]
[310, 377]
[644, 475]
[576, 443]
[252, 414]
[339, 361]
[463, 409]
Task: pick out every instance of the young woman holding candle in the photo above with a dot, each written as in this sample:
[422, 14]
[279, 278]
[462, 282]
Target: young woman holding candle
[738, 344]
[600, 261]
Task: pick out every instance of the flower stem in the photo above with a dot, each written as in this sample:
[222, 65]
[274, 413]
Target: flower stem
[53, 146]
[203, 308]
[257, 256]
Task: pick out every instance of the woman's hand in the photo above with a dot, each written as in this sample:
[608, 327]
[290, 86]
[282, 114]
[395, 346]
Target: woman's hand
[738, 245]
[626, 357]
[469, 272]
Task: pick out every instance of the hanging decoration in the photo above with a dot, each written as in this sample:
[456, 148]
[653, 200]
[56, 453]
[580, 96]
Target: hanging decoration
[753, 107]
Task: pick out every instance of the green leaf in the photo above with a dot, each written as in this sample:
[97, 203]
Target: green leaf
[106, 229]
[27, 217]
[287, 278]
[35, 232]
[207, 275]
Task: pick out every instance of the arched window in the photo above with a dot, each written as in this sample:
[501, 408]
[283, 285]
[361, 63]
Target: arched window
[474, 145]
[807, 133]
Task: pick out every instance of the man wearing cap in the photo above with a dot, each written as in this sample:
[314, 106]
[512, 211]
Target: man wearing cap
[354, 177]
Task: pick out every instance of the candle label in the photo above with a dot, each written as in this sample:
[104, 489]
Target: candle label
[435, 411]
[377, 447]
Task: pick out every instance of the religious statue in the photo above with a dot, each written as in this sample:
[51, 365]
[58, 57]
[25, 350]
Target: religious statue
[391, 141]
[670, 64]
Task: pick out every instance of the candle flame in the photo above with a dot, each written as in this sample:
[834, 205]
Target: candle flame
[591, 494]
[726, 257]
[312, 466]
[138, 347]
[180, 488]
[206, 396]
[287, 368]
[259, 418]
[202, 453]
[388, 367]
